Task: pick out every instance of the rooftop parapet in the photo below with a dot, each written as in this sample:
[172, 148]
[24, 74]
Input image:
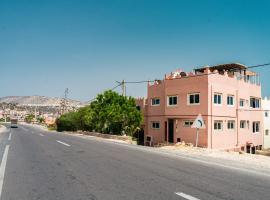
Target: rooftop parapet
[232, 70]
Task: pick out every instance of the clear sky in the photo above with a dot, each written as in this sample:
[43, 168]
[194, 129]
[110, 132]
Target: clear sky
[86, 45]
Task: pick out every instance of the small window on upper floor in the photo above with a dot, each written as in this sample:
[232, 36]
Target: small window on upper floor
[217, 98]
[194, 99]
[172, 100]
[266, 132]
[255, 102]
[242, 102]
[230, 100]
[155, 102]
[266, 114]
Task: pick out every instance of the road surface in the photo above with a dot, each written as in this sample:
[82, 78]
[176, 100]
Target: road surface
[42, 165]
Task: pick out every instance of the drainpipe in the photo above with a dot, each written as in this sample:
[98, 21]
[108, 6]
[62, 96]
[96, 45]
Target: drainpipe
[237, 119]
[211, 107]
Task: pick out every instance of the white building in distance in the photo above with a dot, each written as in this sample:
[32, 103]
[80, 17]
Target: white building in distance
[266, 115]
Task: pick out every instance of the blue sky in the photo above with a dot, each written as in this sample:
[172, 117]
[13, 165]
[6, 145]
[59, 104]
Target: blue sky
[46, 46]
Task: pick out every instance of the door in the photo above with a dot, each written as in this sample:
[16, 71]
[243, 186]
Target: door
[171, 131]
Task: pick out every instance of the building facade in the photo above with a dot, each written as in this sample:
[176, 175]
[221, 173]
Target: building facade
[266, 118]
[227, 96]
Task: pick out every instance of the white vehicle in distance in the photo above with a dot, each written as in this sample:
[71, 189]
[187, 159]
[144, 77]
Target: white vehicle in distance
[14, 123]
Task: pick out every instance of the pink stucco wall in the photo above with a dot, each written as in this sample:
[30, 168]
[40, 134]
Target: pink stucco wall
[206, 86]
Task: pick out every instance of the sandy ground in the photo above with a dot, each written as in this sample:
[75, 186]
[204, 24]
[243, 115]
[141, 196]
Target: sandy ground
[244, 159]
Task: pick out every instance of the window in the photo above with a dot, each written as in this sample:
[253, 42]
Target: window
[217, 125]
[256, 127]
[188, 123]
[266, 114]
[242, 103]
[230, 124]
[217, 98]
[267, 132]
[194, 99]
[242, 124]
[230, 99]
[155, 102]
[172, 100]
[155, 125]
[254, 102]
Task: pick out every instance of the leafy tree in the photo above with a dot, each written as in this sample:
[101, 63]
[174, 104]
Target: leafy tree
[29, 118]
[110, 113]
[41, 120]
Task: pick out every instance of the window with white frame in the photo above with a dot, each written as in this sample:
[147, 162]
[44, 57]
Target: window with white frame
[266, 114]
[218, 125]
[254, 102]
[217, 98]
[256, 127]
[155, 125]
[230, 124]
[172, 100]
[188, 123]
[242, 102]
[230, 100]
[266, 132]
[242, 124]
[194, 99]
[155, 102]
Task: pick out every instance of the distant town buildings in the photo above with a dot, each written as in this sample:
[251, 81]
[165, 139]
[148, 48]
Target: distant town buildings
[227, 96]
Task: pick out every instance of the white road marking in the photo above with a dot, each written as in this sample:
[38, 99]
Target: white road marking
[3, 168]
[186, 196]
[63, 143]
[41, 134]
[9, 137]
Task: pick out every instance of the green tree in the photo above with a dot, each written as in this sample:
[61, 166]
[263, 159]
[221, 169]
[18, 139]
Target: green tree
[110, 113]
[29, 118]
[41, 120]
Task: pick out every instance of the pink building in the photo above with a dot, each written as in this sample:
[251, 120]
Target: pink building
[227, 96]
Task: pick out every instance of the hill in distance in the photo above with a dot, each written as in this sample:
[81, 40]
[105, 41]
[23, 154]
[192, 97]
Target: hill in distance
[37, 101]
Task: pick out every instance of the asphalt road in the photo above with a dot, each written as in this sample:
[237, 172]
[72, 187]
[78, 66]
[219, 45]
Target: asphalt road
[41, 165]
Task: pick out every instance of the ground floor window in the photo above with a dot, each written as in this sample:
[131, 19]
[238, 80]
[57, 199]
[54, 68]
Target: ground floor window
[230, 124]
[242, 124]
[155, 125]
[266, 132]
[188, 123]
[218, 125]
[256, 127]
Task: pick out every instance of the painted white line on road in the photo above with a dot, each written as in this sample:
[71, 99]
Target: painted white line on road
[41, 134]
[3, 168]
[186, 196]
[9, 137]
[63, 143]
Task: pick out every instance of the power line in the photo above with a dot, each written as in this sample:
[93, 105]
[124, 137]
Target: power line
[112, 89]
[122, 83]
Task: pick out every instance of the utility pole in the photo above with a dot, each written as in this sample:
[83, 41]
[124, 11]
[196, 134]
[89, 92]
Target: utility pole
[123, 86]
[64, 102]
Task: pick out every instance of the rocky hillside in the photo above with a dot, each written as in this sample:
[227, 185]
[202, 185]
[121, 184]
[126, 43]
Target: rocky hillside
[37, 101]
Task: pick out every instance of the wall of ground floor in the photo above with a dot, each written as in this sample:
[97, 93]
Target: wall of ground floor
[226, 137]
